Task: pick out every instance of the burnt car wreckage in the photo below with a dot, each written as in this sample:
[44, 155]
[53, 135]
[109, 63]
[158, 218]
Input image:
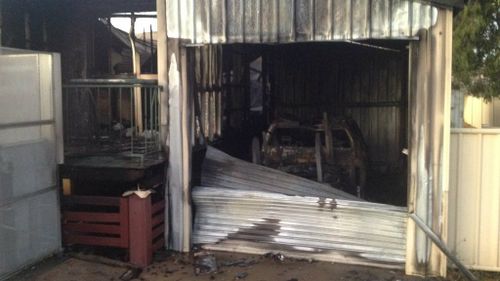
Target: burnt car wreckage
[386, 64]
[333, 152]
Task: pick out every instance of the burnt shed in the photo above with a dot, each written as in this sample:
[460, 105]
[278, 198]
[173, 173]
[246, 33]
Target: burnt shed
[238, 76]
[232, 68]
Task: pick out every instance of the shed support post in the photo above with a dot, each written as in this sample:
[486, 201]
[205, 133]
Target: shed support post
[179, 169]
[1, 23]
[162, 53]
[175, 123]
[430, 98]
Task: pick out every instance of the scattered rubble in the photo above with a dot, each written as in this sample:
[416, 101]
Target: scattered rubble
[131, 274]
[231, 267]
[241, 275]
[204, 262]
[239, 262]
[161, 256]
[276, 257]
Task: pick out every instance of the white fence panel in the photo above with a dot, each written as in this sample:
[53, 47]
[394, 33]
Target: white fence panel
[474, 213]
[481, 114]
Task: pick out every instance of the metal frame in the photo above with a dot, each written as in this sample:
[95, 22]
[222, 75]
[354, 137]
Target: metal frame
[137, 90]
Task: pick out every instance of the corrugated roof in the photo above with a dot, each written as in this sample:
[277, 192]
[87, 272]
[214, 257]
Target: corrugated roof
[282, 21]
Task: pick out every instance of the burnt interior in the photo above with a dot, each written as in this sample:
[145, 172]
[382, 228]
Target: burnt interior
[91, 48]
[241, 89]
[259, 84]
[79, 30]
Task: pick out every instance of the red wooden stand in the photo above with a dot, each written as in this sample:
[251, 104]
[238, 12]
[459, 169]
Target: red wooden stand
[131, 223]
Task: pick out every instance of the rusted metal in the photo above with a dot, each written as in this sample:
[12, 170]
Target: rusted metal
[367, 85]
[293, 148]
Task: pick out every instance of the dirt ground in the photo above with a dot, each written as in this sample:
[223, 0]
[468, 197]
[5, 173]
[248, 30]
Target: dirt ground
[265, 268]
[230, 266]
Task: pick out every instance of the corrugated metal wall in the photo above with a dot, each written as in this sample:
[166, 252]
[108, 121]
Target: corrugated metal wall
[256, 21]
[29, 205]
[366, 84]
[474, 212]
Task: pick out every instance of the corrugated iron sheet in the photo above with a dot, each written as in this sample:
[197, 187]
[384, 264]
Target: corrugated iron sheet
[254, 209]
[282, 21]
[300, 227]
[222, 170]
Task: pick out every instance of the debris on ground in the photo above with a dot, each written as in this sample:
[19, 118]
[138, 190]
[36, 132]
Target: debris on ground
[354, 272]
[131, 274]
[276, 257]
[231, 267]
[100, 259]
[241, 275]
[204, 262]
[161, 256]
[239, 262]
[181, 259]
[71, 269]
[308, 260]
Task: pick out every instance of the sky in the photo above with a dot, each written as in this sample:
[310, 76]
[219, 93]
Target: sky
[141, 24]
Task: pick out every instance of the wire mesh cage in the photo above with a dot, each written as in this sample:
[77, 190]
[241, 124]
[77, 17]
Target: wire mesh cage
[111, 116]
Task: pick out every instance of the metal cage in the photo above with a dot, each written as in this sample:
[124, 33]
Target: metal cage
[111, 116]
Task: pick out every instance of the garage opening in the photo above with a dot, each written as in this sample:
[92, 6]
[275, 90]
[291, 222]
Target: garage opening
[270, 104]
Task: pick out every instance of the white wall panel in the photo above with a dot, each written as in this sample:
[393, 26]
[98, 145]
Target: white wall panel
[29, 205]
